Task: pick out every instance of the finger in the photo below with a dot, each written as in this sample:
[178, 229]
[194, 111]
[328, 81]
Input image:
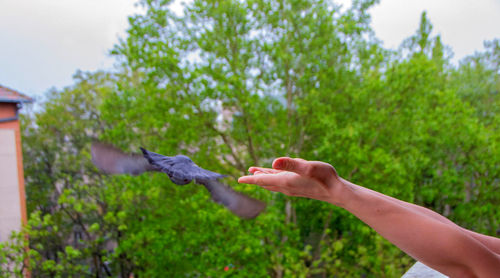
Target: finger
[263, 170]
[263, 180]
[247, 179]
[298, 166]
[258, 173]
[253, 169]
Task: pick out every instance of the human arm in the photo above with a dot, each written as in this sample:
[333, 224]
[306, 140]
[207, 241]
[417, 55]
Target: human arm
[490, 242]
[425, 236]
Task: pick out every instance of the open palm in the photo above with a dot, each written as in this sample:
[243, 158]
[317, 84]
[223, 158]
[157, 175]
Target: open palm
[296, 177]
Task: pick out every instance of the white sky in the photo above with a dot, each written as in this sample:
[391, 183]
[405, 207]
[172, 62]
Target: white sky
[44, 42]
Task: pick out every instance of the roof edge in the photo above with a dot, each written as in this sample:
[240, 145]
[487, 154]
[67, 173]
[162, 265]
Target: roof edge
[12, 96]
[17, 100]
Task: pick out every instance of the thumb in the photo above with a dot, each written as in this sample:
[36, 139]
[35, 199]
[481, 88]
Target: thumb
[296, 165]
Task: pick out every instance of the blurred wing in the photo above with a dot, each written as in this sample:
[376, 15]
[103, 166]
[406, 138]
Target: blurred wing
[238, 203]
[112, 160]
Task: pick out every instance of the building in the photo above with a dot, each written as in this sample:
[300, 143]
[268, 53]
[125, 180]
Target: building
[12, 194]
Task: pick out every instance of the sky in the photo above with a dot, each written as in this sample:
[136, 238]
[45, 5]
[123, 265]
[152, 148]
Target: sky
[44, 42]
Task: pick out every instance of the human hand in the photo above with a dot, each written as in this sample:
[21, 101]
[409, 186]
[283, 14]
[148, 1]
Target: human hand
[298, 177]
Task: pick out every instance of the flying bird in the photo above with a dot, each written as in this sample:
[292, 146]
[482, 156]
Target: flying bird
[180, 169]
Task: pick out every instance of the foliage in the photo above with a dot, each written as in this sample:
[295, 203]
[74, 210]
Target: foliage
[238, 83]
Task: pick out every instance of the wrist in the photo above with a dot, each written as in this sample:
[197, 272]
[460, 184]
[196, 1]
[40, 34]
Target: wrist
[341, 192]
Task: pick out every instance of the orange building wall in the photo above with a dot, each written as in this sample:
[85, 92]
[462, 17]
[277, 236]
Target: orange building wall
[9, 110]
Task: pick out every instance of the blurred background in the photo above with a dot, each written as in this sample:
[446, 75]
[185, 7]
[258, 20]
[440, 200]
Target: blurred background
[401, 97]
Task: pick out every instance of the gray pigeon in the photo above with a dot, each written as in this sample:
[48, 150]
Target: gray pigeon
[180, 169]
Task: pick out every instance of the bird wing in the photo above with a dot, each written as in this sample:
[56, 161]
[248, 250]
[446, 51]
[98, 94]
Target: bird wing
[238, 203]
[111, 160]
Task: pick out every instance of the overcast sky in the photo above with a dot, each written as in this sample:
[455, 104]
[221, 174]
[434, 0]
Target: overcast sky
[44, 42]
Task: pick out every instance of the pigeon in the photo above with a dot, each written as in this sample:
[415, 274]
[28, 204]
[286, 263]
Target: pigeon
[180, 169]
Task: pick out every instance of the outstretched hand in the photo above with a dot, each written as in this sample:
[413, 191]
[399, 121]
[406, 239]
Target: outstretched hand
[298, 177]
[417, 231]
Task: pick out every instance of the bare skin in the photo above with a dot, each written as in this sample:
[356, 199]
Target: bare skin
[421, 233]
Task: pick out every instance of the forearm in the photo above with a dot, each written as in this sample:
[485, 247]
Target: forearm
[490, 242]
[416, 208]
[426, 237]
